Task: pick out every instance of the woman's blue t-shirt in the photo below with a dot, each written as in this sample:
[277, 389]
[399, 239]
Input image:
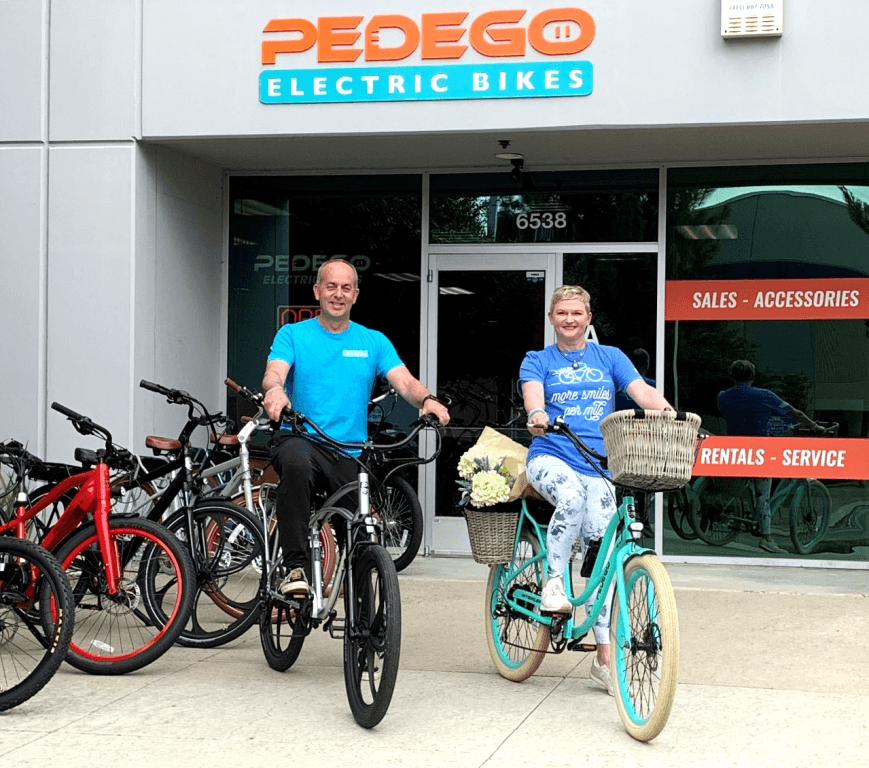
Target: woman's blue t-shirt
[332, 374]
[581, 395]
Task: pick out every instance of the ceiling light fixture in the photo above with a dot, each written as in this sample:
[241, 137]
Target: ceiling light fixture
[508, 155]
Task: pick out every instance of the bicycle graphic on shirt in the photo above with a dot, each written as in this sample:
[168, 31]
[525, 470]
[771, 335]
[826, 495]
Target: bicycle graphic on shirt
[582, 374]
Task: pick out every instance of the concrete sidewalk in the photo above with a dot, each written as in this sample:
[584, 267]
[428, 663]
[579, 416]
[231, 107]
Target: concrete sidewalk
[776, 675]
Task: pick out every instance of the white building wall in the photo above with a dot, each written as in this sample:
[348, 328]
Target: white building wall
[22, 55]
[21, 308]
[179, 269]
[110, 253]
[93, 85]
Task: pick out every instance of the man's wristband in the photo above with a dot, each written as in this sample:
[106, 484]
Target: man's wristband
[270, 389]
[534, 412]
[429, 397]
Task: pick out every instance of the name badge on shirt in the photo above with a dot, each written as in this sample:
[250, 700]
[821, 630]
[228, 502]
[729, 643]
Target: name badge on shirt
[355, 353]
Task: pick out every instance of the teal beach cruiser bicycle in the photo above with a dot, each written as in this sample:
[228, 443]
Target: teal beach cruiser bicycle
[648, 451]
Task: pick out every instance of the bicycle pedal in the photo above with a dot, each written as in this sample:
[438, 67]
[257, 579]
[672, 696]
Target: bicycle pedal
[336, 629]
[581, 647]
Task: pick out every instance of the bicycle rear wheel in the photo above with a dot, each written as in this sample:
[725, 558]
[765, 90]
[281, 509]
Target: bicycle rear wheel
[119, 633]
[398, 506]
[809, 515]
[36, 619]
[225, 546]
[517, 643]
[372, 638]
[646, 664]
[715, 510]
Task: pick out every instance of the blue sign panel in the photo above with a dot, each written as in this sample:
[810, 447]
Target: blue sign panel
[534, 79]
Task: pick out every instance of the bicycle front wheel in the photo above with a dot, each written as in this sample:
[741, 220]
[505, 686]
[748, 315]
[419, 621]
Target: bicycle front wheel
[372, 638]
[227, 548]
[36, 619]
[517, 643]
[810, 515]
[645, 665]
[115, 630]
[401, 513]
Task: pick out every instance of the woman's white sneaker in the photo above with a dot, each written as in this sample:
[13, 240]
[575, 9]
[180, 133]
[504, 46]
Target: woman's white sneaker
[553, 599]
[601, 675]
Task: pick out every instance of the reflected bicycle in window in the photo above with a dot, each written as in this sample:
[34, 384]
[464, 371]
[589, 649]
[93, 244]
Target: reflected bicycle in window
[716, 509]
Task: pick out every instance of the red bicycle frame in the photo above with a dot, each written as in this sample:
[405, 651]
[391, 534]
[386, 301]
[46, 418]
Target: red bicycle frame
[94, 497]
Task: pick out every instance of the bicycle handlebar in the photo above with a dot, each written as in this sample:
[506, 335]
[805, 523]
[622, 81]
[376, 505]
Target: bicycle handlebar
[247, 394]
[561, 426]
[299, 420]
[69, 413]
[15, 450]
[85, 426]
[180, 397]
[175, 396]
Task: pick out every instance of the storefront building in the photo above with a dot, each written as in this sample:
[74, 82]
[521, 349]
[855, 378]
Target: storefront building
[173, 173]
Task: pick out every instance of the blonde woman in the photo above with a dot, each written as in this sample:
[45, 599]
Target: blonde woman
[576, 380]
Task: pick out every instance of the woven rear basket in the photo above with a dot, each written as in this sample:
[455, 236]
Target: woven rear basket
[653, 452]
[492, 534]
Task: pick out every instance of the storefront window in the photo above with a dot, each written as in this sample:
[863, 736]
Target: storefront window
[545, 207]
[283, 228]
[769, 266]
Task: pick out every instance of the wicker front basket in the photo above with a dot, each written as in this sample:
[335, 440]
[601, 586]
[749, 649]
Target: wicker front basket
[492, 534]
[653, 452]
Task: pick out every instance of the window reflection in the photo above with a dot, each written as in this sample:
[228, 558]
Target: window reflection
[791, 223]
[283, 228]
[548, 207]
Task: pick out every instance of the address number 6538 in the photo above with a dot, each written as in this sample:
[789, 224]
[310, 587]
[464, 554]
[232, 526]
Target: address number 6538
[541, 220]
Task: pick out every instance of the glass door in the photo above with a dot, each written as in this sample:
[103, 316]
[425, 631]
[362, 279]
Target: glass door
[484, 313]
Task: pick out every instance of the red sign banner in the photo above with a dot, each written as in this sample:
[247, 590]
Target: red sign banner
[823, 458]
[844, 298]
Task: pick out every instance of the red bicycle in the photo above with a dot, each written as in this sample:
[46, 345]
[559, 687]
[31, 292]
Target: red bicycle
[119, 567]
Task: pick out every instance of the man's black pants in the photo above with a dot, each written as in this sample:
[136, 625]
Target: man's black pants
[304, 466]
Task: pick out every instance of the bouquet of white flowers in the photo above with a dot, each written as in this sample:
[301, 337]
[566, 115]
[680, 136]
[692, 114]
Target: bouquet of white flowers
[492, 471]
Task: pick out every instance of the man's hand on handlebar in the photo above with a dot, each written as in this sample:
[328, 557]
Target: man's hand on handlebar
[274, 402]
[436, 409]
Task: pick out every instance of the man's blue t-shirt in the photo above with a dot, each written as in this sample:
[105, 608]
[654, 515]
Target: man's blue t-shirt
[332, 374]
[748, 410]
[582, 395]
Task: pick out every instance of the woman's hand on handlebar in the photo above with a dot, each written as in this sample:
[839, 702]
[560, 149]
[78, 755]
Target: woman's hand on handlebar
[537, 422]
[274, 402]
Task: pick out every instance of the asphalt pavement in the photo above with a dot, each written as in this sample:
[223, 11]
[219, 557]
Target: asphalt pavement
[774, 671]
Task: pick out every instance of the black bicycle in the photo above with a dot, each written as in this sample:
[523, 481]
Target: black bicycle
[36, 619]
[364, 575]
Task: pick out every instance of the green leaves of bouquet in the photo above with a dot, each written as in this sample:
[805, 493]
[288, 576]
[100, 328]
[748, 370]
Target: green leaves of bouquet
[485, 480]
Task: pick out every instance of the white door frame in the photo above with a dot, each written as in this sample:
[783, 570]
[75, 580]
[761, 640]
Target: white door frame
[449, 535]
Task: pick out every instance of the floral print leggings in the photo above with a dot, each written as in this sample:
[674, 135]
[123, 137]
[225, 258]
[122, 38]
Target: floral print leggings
[584, 505]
